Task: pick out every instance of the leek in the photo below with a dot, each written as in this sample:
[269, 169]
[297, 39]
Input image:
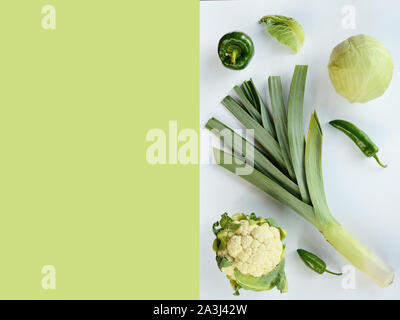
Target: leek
[309, 200]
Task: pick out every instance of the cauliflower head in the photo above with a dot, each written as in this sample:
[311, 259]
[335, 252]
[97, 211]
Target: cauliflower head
[249, 250]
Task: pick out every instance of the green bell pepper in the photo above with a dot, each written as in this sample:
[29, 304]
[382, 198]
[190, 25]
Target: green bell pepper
[235, 49]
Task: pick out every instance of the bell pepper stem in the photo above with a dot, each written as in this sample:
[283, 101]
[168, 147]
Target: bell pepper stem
[377, 160]
[234, 55]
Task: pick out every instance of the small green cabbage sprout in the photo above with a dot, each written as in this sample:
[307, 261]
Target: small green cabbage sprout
[360, 68]
[286, 30]
[249, 250]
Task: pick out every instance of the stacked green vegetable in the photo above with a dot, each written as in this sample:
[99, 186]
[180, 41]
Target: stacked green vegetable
[286, 166]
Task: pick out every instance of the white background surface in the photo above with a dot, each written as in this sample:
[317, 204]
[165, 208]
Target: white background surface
[362, 196]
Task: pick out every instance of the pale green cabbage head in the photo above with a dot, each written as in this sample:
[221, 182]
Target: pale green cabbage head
[360, 68]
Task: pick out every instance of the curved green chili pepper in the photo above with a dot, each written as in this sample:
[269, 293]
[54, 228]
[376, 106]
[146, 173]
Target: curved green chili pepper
[314, 263]
[235, 50]
[359, 137]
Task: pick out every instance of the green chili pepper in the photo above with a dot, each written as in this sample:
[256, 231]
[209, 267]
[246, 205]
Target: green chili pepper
[235, 50]
[314, 263]
[359, 137]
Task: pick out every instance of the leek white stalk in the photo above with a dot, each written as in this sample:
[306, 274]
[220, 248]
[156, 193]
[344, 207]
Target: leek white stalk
[362, 258]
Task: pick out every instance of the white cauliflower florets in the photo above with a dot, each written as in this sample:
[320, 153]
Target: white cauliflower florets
[252, 249]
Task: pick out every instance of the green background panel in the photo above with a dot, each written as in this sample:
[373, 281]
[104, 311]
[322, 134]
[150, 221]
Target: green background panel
[76, 191]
